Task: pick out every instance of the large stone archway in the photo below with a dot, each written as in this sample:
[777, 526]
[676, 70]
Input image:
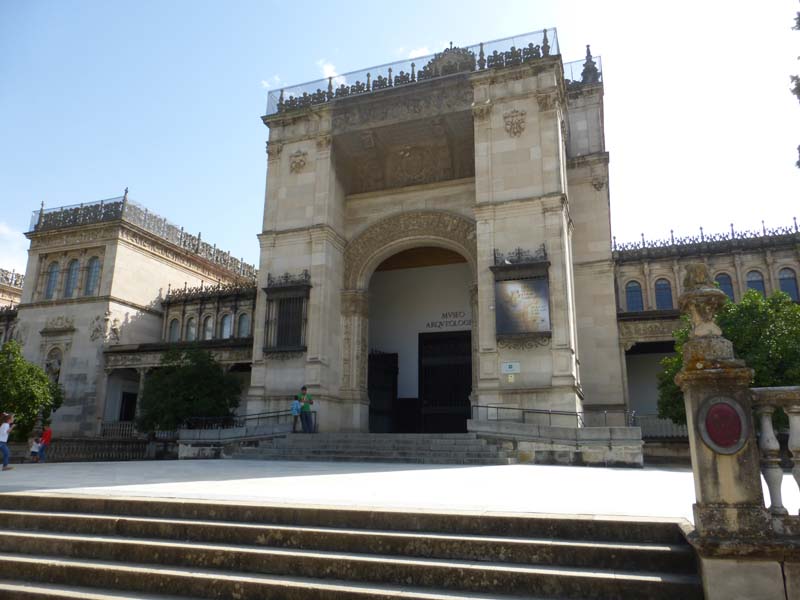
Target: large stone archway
[362, 256]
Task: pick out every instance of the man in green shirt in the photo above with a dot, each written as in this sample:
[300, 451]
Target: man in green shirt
[305, 410]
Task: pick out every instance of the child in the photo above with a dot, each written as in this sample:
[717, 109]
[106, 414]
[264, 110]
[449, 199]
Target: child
[295, 414]
[36, 446]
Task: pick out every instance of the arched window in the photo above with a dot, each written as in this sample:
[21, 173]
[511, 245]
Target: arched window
[191, 330]
[755, 281]
[788, 283]
[72, 278]
[633, 297]
[725, 284]
[52, 281]
[225, 327]
[208, 328]
[663, 295]
[243, 329]
[92, 276]
[174, 333]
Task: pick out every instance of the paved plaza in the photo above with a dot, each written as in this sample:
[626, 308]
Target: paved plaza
[655, 492]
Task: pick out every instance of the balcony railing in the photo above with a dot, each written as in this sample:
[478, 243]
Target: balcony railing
[122, 208]
[478, 57]
[15, 280]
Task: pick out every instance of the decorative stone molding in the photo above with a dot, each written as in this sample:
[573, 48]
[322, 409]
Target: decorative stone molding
[324, 142]
[547, 101]
[59, 324]
[98, 327]
[274, 150]
[515, 122]
[481, 111]
[272, 355]
[355, 303]
[422, 225]
[651, 330]
[297, 161]
[523, 343]
[447, 99]
[598, 183]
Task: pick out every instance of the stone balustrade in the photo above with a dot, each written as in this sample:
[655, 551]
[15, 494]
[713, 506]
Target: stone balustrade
[766, 401]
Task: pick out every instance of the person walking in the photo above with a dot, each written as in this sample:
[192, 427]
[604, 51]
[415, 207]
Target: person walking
[305, 410]
[296, 408]
[47, 437]
[5, 428]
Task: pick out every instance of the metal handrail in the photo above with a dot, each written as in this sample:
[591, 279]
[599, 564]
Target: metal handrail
[583, 418]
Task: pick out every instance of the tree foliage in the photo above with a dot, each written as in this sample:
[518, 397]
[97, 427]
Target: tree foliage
[25, 390]
[765, 333]
[189, 383]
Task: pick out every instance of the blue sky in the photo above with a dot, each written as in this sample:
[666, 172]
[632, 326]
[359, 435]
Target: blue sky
[165, 97]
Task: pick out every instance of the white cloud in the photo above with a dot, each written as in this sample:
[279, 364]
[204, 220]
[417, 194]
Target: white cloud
[274, 81]
[13, 249]
[418, 52]
[328, 69]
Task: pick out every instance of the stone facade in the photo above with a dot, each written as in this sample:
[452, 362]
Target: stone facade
[488, 156]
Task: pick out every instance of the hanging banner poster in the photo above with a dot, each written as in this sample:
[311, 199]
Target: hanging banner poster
[522, 306]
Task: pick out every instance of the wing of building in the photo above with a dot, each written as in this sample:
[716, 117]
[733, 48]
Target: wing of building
[436, 241]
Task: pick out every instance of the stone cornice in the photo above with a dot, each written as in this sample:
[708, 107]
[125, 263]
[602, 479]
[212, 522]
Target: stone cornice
[89, 300]
[300, 232]
[588, 160]
[486, 209]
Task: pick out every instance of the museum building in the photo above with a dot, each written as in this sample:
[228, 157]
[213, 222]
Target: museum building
[436, 239]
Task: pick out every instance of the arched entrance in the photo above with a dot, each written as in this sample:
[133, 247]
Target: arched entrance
[431, 257]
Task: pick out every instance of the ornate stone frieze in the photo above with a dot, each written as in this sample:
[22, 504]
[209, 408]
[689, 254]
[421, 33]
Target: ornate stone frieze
[523, 343]
[73, 238]
[420, 224]
[547, 101]
[412, 165]
[514, 122]
[324, 142]
[297, 161]
[481, 110]
[650, 330]
[274, 150]
[272, 355]
[445, 100]
[59, 324]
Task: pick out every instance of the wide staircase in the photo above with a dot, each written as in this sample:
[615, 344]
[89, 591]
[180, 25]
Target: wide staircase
[124, 549]
[420, 448]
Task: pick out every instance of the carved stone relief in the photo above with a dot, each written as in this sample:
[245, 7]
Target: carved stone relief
[324, 142]
[297, 161]
[546, 101]
[525, 343]
[515, 122]
[660, 330]
[411, 165]
[59, 324]
[481, 111]
[598, 183]
[420, 224]
[274, 150]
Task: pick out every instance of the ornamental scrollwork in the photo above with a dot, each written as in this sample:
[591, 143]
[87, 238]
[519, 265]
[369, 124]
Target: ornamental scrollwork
[482, 110]
[297, 161]
[418, 224]
[514, 122]
[523, 343]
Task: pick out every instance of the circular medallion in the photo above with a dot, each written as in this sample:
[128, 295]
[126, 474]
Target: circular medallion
[722, 425]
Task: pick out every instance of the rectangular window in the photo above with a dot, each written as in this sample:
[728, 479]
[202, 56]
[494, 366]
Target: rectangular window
[287, 314]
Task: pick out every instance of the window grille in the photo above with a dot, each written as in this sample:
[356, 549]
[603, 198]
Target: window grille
[287, 313]
[788, 283]
[663, 295]
[52, 281]
[92, 276]
[725, 284]
[72, 278]
[633, 297]
[755, 281]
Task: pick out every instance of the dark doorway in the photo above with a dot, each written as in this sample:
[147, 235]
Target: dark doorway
[127, 406]
[382, 391]
[445, 380]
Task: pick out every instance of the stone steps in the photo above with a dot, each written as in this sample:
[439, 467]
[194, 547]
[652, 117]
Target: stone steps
[197, 549]
[425, 448]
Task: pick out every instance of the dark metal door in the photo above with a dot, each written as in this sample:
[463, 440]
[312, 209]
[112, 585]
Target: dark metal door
[445, 380]
[382, 391]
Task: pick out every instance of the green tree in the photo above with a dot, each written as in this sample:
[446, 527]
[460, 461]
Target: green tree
[189, 383]
[765, 333]
[25, 390]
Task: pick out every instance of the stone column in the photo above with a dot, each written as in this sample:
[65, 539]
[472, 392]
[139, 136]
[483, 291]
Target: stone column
[142, 377]
[355, 357]
[725, 459]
